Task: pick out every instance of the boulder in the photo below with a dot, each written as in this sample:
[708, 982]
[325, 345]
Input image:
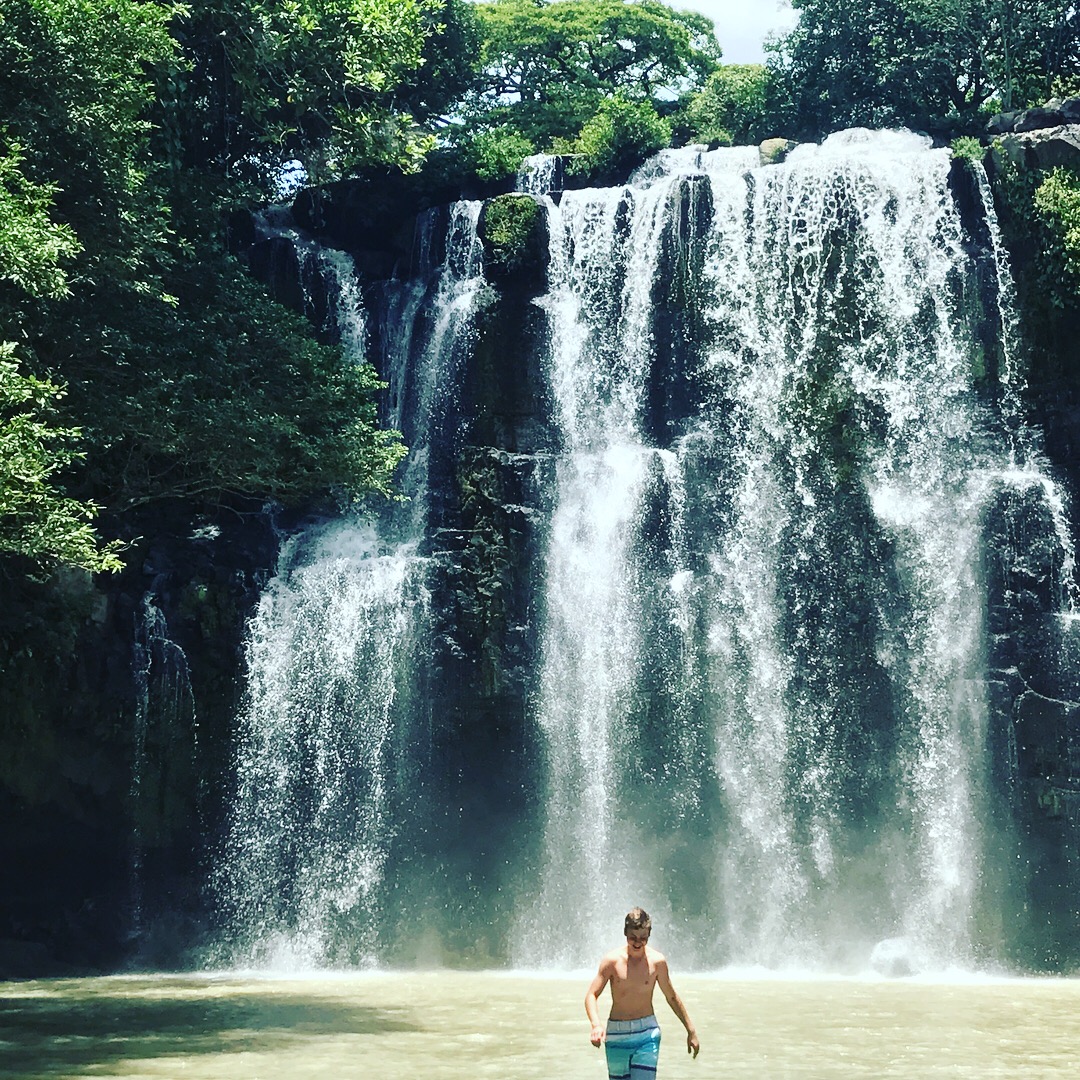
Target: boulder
[1041, 116]
[895, 958]
[1045, 148]
[773, 151]
[1003, 123]
[1054, 113]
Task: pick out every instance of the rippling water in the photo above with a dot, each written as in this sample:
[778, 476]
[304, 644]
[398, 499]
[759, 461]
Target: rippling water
[511, 1026]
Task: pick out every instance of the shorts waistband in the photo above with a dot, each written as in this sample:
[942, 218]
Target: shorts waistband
[632, 1027]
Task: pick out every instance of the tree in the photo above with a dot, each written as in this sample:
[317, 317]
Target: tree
[731, 107]
[621, 134]
[37, 521]
[933, 64]
[449, 66]
[547, 64]
[216, 393]
[116, 178]
[1057, 203]
[33, 247]
[265, 82]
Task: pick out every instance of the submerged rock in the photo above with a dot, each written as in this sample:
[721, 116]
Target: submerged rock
[895, 958]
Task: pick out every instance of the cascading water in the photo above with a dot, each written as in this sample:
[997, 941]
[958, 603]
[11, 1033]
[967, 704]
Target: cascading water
[784, 404]
[824, 512]
[165, 736]
[333, 722]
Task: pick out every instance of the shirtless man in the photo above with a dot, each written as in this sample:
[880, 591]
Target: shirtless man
[632, 1037]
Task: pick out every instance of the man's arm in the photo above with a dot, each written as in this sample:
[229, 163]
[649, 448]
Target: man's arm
[663, 979]
[596, 988]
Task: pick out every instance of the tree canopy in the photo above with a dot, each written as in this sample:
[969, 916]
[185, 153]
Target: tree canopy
[141, 362]
[546, 65]
[263, 82]
[933, 64]
[731, 108]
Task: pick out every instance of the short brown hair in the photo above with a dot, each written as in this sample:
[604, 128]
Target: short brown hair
[637, 919]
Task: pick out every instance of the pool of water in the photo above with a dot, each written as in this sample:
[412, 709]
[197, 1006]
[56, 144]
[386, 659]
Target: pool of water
[513, 1026]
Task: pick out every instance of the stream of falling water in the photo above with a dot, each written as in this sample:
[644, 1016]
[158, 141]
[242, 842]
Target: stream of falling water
[333, 721]
[825, 512]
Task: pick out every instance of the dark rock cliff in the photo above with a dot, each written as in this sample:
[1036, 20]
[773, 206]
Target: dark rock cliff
[118, 707]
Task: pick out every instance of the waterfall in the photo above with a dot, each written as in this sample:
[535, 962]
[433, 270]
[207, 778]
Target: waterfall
[333, 719]
[334, 633]
[823, 547]
[784, 402]
[165, 738]
[539, 174]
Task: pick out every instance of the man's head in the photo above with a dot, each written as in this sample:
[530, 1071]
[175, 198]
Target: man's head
[637, 927]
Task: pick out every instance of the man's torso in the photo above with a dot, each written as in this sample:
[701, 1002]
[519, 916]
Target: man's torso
[632, 982]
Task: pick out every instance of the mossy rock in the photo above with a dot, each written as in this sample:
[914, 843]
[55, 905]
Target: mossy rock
[774, 151]
[513, 229]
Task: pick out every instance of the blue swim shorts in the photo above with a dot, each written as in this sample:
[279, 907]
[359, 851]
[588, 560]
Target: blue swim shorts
[632, 1048]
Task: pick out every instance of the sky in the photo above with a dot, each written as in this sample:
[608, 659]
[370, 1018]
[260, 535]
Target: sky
[742, 25]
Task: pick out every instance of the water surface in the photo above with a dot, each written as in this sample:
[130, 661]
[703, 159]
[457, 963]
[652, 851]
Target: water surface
[459, 1026]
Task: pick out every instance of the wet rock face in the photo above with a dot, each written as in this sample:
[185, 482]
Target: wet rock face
[506, 394]
[487, 542]
[774, 151]
[123, 759]
[1034, 713]
[681, 331]
[373, 215]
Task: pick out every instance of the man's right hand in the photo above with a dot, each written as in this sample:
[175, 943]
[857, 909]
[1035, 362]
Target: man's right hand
[597, 1036]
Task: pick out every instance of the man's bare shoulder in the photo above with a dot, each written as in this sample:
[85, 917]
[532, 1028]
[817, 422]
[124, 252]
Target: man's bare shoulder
[612, 958]
[655, 955]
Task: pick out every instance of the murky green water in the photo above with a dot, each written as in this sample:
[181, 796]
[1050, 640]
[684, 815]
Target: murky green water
[459, 1026]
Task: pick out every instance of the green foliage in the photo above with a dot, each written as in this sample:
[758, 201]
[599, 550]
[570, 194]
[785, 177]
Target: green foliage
[731, 106]
[269, 81]
[1040, 215]
[968, 148]
[509, 227]
[621, 134]
[449, 63]
[128, 129]
[37, 521]
[32, 245]
[933, 64]
[222, 394]
[1057, 202]
[496, 152]
[547, 64]
[75, 88]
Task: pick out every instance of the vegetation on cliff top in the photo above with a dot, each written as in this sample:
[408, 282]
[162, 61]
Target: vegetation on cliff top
[934, 65]
[142, 363]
